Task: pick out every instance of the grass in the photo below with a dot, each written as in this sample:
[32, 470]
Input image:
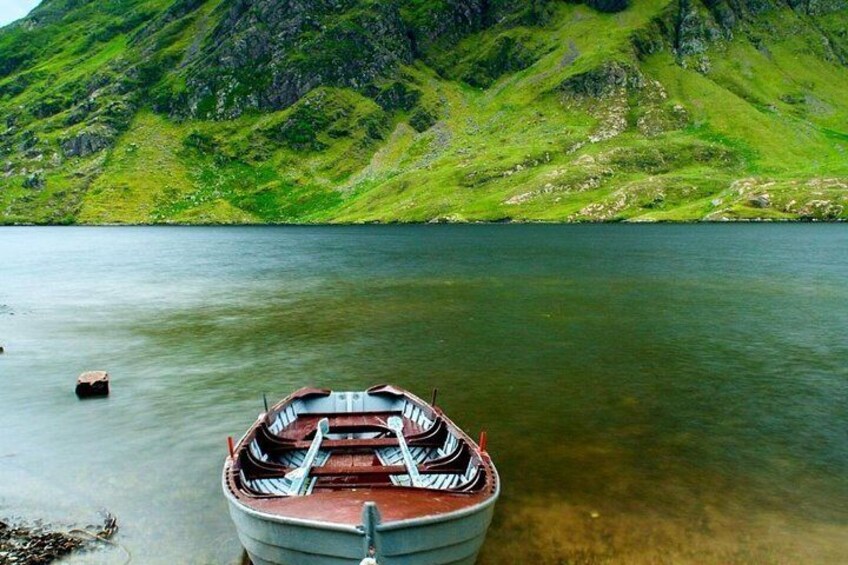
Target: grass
[490, 135]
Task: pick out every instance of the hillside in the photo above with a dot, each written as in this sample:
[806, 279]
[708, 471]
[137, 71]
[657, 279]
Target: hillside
[267, 111]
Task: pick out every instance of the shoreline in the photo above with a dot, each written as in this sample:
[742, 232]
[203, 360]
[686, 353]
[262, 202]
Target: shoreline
[38, 542]
[436, 223]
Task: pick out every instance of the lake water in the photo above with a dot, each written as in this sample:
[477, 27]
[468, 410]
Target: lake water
[651, 393]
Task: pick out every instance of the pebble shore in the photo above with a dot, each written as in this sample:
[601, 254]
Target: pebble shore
[37, 544]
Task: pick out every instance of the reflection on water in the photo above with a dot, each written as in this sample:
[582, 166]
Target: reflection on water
[652, 393]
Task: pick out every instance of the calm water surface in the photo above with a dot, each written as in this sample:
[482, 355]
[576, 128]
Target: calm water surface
[652, 393]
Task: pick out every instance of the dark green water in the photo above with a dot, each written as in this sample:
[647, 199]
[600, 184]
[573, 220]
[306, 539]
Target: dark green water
[652, 393]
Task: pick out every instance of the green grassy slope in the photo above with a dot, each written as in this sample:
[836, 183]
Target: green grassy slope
[572, 115]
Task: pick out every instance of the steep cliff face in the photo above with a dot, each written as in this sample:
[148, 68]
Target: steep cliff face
[321, 110]
[691, 27]
[266, 55]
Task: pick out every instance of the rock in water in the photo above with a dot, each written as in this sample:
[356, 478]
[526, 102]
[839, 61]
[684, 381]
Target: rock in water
[19, 544]
[93, 383]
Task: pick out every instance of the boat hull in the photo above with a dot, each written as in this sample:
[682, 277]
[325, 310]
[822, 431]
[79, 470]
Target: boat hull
[363, 495]
[434, 540]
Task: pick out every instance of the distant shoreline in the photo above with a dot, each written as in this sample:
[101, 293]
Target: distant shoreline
[441, 223]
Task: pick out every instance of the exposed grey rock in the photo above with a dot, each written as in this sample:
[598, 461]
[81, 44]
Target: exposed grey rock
[821, 210]
[28, 141]
[570, 56]
[817, 7]
[267, 54]
[80, 112]
[695, 31]
[760, 201]
[690, 27]
[34, 180]
[88, 141]
[604, 81]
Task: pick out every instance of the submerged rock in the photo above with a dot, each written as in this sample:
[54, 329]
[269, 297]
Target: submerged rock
[37, 544]
[33, 546]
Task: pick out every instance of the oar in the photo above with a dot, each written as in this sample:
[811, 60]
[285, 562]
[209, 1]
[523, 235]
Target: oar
[396, 425]
[300, 474]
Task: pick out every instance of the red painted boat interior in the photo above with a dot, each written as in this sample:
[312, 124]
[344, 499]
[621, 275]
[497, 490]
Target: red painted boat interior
[351, 473]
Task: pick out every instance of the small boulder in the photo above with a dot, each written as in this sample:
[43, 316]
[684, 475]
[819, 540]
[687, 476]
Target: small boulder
[93, 383]
[760, 201]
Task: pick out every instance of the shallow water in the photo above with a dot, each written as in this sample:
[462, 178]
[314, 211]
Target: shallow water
[652, 393]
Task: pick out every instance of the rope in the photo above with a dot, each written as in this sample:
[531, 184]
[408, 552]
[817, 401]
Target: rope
[104, 540]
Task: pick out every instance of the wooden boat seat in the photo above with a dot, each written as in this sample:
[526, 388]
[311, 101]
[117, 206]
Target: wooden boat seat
[436, 434]
[255, 469]
[280, 441]
[272, 443]
[303, 427]
[456, 461]
[476, 484]
[364, 477]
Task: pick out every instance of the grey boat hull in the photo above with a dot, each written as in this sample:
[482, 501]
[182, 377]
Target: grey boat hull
[454, 538]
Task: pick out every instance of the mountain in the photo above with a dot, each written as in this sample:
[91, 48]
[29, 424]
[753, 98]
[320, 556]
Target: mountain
[266, 111]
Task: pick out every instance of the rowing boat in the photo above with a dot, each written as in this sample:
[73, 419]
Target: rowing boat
[377, 476]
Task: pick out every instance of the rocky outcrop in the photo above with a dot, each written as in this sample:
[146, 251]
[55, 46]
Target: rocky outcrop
[433, 23]
[267, 54]
[689, 27]
[603, 81]
[87, 141]
[760, 200]
[818, 7]
[396, 96]
[821, 210]
[324, 115]
[696, 30]
[34, 180]
[507, 54]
